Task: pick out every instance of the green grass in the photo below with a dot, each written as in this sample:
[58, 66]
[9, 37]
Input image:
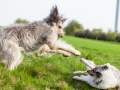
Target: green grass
[55, 73]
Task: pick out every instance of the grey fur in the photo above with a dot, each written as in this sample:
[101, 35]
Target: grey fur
[29, 37]
[54, 17]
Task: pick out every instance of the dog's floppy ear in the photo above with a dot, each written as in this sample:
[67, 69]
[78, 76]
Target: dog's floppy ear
[91, 72]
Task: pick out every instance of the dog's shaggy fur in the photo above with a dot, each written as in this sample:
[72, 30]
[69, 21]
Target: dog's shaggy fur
[103, 76]
[61, 48]
[30, 37]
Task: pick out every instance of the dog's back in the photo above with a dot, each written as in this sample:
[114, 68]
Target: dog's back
[30, 36]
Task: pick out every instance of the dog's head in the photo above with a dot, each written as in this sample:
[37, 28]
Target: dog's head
[56, 21]
[98, 70]
[104, 76]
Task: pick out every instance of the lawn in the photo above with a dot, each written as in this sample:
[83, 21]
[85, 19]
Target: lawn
[56, 72]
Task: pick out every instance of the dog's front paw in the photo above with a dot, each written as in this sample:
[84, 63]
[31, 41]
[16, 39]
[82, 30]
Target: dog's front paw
[79, 72]
[76, 72]
[81, 78]
[75, 77]
[66, 54]
[76, 53]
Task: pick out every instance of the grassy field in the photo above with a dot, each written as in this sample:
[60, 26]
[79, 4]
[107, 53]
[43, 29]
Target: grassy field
[56, 72]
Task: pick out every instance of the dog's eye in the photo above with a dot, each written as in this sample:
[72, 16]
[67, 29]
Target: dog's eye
[98, 74]
[59, 27]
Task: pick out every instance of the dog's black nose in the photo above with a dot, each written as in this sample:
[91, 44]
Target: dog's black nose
[60, 35]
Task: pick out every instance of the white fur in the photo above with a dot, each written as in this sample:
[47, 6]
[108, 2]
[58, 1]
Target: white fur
[61, 47]
[110, 78]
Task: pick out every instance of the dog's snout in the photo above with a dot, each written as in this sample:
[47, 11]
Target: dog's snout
[60, 35]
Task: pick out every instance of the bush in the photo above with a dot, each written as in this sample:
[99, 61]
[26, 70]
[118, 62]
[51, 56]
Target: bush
[73, 27]
[76, 29]
[118, 38]
[23, 21]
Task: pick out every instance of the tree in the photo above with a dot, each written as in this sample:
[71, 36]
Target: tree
[102, 36]
[73, 27]
[118, 38]
[111, 36]
[23, 21]
[87, 33]
[96, 33]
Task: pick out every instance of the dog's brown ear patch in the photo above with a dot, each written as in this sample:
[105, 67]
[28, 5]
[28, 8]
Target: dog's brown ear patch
[91, 72]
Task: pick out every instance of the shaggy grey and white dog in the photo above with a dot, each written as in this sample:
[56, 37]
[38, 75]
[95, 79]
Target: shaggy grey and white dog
[100, 76]
[30, 38]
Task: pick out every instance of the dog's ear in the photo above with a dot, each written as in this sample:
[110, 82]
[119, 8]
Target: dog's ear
[64, 20]
[105, 67]
[91, 72]
[54, 15]
[54, 10]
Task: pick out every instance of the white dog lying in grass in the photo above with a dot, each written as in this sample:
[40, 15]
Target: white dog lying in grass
[102, 77]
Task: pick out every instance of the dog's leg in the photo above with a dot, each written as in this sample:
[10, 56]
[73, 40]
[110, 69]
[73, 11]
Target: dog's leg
[79, 72]
[1, 59]
[81, 78]
[12, 55]
[31, 54]
[89, 64]
[66, 47]
[45, 49]
[64, 53]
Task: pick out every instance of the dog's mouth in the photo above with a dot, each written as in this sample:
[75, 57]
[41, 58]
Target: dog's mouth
[60, 35]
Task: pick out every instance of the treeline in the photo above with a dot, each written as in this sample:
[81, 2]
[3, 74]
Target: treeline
[76, 29]
[99, 35]
[19, 21]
